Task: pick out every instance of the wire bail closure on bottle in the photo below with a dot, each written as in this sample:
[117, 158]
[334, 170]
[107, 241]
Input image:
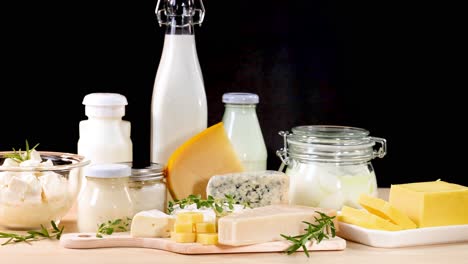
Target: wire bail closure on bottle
[180, 9]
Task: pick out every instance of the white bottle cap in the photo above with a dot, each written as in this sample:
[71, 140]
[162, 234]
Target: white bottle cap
[105, 104]
[109, 170]
[240, 98]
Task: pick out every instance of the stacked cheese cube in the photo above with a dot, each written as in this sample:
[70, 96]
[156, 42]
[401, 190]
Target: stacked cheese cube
[189, 227]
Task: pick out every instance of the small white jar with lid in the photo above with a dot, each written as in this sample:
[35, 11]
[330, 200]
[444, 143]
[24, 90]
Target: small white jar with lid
[148, 188]
[243, 130]
[104, 197]
[330, 166]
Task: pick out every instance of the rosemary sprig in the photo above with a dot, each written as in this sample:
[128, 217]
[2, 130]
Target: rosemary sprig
[322, 229]
[221, 206]
[111, 226]
[33, 235]
[18, 156]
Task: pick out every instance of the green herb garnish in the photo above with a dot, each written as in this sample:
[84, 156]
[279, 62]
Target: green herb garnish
[323, 227]
[33, 235]
[111, 226]
[19, 156]
[221, 206]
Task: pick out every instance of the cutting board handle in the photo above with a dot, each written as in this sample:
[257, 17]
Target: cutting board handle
[89, 240]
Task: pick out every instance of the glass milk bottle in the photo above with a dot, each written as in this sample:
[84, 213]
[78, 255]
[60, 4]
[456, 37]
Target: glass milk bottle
[243, 129]
[178, 108]
[105, 137]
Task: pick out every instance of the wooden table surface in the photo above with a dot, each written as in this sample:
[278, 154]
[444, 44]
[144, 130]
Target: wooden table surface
[49, 251]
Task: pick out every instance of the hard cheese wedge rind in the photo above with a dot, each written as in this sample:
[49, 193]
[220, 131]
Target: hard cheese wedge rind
[206, 154]
[386, 211]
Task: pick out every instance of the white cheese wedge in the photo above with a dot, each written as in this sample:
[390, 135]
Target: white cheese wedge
[265, 224]
[257, 188]
[152, 223]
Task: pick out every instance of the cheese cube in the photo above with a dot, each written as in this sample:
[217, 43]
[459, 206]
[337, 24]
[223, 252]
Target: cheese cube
[365, 219]
[385, 210]
[189, 217]
[183, 237]
[152, 223]
[207, 238]
[258, 188]
[205, 228]
[436, 203]
[183, 227]
[265, 224]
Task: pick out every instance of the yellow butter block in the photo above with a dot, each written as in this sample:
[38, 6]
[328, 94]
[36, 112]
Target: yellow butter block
[189, 217]
[205, 227]
[207, 238]
[183, 228]
[183, 237]
[365, 219]
[436, 203]
[385, 210]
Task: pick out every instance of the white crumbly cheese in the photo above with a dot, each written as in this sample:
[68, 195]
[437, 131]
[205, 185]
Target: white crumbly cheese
[260, 188]
[209, 215]
[152, 223]
[43, 195]
[265, 224]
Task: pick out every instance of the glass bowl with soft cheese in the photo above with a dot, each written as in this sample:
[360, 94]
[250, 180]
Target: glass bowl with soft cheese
[37, 187]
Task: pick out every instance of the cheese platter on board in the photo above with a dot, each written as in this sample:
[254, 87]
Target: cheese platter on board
[89, 240]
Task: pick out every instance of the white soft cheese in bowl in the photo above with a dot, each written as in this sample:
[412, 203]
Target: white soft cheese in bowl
[37, 187]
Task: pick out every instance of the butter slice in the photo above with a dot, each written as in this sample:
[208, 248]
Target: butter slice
[265, 224]
[436, 203]
[385, 210]
[152, 223]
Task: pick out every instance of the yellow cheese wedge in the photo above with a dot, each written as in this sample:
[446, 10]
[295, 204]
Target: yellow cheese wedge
[365, 219]
[207, 238]
[436, 203]
[183, 237]
[183, 228]
[206, 154]
[385, 210]
[189, 218]
[205, 227]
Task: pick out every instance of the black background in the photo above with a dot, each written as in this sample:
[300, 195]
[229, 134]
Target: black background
[388, 67]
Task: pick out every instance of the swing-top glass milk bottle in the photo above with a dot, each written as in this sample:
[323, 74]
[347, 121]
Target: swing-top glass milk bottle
[178, 107]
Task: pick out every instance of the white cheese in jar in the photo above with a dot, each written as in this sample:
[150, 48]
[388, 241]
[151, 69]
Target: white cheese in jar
[105, 196]
[330, 166]
[147, 188]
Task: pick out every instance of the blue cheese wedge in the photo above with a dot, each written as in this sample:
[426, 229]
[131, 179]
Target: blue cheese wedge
[259, 188]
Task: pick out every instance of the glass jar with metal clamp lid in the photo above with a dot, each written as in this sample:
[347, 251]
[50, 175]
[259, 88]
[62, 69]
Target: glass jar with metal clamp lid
[148, 188]
[330, 166]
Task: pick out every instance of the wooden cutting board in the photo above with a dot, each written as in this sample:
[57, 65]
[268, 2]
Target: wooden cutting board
[89, 240]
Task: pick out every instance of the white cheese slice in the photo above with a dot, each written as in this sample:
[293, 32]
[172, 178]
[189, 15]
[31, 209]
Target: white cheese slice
[265, 224]
[152, 223]
[257, 188]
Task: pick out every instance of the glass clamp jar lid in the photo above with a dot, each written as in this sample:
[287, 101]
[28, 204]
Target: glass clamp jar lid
[339, 144]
